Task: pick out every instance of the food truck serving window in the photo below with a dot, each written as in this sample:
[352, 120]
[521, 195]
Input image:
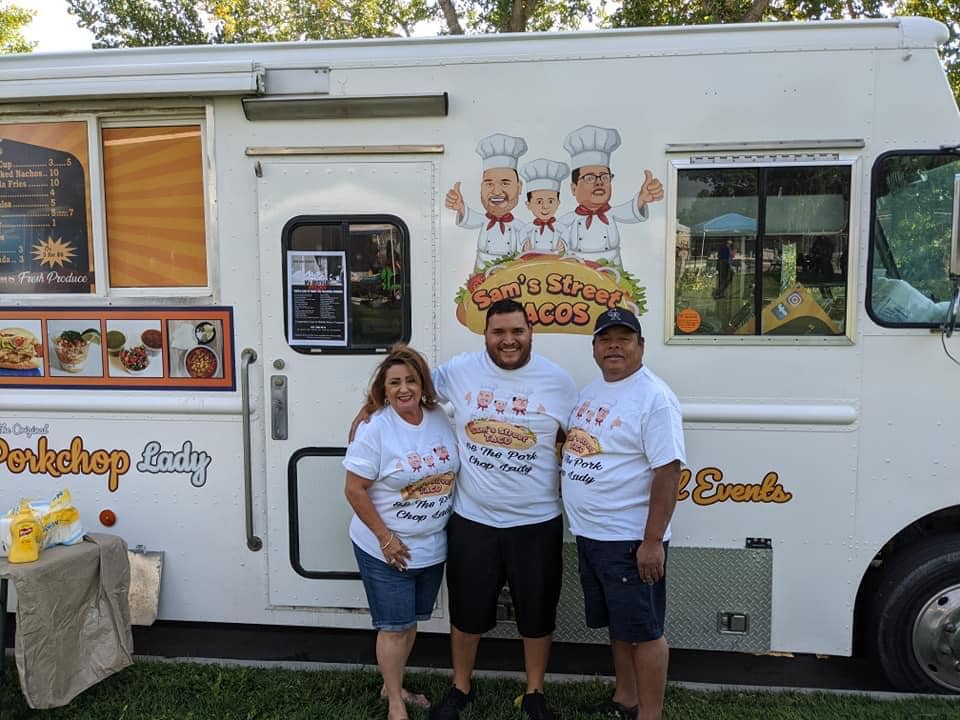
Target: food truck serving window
[346, 282]
[762, 250]
[153, 182]
[908, 283]
[150, 227]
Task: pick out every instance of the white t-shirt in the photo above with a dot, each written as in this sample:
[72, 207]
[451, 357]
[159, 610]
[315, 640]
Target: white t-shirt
[618, 433]
[413, 468]
[506, 423]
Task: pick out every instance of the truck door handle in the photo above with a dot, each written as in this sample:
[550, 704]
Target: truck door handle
[278, 407]
[247, 358]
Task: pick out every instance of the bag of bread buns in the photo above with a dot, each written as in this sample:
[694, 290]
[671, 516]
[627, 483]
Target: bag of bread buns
[60, 521]
[58, 518]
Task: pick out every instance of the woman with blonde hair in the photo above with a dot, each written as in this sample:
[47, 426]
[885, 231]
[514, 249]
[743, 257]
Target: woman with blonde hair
[401, 467]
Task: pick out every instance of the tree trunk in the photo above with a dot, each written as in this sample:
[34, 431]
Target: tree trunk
[518, 16]
[755, 13]
[450, 15]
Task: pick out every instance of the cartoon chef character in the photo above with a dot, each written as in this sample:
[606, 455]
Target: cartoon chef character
[520, 402]
[602, 412]
[583, 409]
[484, 397]
[543, 179]
[593, 233]
[443, 455]
[500, 406]
[413, 459]
[500, 187]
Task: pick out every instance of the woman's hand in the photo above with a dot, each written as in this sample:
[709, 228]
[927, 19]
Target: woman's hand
[395, 552]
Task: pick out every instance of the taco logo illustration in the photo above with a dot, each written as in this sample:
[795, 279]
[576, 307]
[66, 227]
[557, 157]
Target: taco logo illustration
[561, 294]
[581, 443]
[500, 434]
[429, 486]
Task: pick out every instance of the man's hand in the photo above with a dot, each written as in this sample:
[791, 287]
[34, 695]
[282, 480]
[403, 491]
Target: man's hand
[454, 200]
[362, 417]
[650, 561]
[651, 191]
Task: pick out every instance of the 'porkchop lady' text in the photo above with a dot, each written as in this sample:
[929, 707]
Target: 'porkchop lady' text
[75, 460]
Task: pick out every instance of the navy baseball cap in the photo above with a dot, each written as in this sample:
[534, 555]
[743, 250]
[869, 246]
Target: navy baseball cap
[617, 316]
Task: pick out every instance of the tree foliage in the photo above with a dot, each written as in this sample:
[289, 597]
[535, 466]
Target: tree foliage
[12, 21]
[686, 12]
[140, 23]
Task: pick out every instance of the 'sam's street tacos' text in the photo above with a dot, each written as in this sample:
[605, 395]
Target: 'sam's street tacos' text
[561, 294]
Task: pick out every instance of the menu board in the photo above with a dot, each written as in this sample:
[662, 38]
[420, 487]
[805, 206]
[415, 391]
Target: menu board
[139, 348]
[43, 221]
[316, 298]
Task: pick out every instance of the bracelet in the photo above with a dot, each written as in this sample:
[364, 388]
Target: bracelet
[387, 543]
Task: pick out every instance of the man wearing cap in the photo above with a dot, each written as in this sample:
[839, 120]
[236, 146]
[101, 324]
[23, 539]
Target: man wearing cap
[543, 198]
[593, 233]
[620, 480]
[500, 188]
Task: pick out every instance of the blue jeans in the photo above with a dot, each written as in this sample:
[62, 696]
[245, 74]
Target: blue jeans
[397, 599]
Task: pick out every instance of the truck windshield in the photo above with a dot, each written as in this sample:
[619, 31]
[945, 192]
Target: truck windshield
[908, 282]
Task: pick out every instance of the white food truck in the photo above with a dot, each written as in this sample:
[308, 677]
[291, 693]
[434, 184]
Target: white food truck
[204, 251]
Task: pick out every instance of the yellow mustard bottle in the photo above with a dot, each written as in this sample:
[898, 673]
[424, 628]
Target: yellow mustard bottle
[25, 536]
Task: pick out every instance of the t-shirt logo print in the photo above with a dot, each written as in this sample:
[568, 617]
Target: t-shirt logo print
[489, 425]
[429, 486]
[581, 443]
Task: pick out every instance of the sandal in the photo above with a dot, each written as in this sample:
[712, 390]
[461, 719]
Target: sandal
[410, 698]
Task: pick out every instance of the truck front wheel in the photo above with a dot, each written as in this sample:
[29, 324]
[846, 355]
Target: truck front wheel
[916, 616]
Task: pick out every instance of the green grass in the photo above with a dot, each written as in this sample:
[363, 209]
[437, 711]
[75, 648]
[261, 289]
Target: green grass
[183, 691]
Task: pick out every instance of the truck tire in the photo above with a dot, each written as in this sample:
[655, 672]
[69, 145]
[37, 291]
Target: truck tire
[916, 616]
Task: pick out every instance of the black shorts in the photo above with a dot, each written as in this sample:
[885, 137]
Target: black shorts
[615, 596]
[480, 558]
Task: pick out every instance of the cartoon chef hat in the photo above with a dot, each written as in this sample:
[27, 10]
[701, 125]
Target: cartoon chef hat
[591, 145]
[501, 151]
[543, 174]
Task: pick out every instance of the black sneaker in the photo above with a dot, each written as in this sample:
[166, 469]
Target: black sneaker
[534, 706]
[452, 705]
[616, 711]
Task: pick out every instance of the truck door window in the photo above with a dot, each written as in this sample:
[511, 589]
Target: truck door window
[375, 281]
[762, 250]
[908, 280]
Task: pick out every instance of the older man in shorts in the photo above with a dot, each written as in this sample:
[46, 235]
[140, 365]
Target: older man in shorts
[620, 476]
